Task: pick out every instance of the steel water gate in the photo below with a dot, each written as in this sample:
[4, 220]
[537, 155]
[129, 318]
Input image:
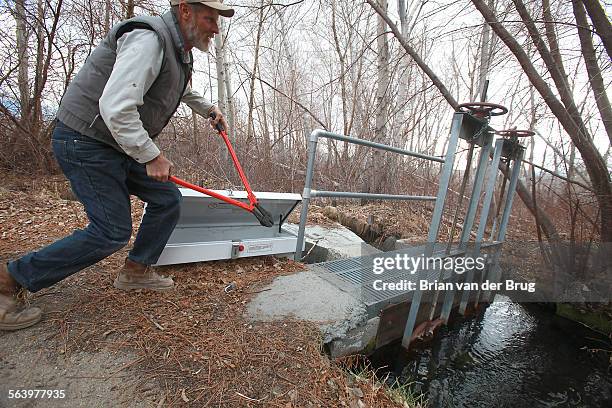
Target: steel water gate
[470, 123]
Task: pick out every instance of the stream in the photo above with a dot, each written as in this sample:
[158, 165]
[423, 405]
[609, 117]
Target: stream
[509, 355]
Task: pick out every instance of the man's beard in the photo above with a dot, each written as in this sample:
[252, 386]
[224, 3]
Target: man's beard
[201, 43]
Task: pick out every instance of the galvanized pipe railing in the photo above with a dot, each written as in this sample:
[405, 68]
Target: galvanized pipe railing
[309, 193]
[347, 194]
[380, 146]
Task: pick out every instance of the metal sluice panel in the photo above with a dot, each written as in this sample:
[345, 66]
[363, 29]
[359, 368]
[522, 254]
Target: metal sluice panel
[199, 209]
[209, 229]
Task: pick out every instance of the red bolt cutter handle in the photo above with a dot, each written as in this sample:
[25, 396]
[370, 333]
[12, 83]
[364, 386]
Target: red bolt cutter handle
[211, 193]
[247, 186]
[264, 217]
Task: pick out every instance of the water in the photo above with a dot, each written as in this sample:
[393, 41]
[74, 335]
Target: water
[511, 355]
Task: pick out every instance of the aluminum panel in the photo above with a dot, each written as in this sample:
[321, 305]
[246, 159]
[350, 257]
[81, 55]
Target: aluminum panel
[198, 209]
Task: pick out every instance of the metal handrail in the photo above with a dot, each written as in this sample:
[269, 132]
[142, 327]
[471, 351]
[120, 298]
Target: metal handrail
[309, 193]
[354, 140]
[348, 194]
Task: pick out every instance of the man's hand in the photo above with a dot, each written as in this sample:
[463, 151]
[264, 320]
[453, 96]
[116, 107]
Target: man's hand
[159, 168]
[219, 118]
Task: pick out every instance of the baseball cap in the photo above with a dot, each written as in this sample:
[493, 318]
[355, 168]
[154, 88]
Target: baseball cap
[224, 10]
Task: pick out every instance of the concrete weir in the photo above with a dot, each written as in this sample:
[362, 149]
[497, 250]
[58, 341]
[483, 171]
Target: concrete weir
[341, 297]
[338, 310]
[331, 243]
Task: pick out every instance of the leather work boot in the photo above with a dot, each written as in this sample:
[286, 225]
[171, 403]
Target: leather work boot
[10, 317]
[138, 276]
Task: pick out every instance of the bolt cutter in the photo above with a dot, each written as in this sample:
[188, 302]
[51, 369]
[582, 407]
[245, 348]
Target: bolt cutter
[264, 217]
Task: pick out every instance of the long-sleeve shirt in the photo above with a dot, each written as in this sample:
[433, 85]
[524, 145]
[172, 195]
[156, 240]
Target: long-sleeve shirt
[138, 63]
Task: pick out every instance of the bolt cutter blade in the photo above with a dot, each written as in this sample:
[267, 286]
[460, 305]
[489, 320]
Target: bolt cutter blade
[264, 217]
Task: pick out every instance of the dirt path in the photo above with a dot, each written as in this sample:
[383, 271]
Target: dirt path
[89, 379]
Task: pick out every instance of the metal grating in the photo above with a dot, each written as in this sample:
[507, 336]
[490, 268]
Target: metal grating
[340, 265]
[355, 275]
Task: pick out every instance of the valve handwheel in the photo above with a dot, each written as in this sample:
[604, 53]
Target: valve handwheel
[482, 109]
[515, 133]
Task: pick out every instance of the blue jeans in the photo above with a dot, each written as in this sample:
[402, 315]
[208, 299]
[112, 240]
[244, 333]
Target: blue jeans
[102, 178]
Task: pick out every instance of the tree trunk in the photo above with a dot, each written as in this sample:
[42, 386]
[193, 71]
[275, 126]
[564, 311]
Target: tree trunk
[265, 133]
[219, 53]
[22, 54]
[601, 23]
[571, 122]
[36, 103]
[551, 35]
[379, 178]
[129, 9]
[404, 79]
[108, 9]
[341, 52]
[485, 58]
[250, 125]
[231, 117]
[593, 70]
[45, 56]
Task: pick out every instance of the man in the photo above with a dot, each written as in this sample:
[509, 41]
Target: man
[121, 99]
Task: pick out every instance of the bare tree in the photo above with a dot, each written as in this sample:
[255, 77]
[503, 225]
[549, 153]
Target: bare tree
[565, 110]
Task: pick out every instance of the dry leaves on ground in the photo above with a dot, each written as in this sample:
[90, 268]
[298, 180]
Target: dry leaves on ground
[195, 341]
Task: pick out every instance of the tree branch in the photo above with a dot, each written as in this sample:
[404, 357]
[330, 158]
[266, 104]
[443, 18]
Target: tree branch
[559, 176]
[414, 55]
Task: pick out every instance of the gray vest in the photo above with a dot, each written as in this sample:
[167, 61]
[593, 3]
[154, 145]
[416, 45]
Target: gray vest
[79, 107]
